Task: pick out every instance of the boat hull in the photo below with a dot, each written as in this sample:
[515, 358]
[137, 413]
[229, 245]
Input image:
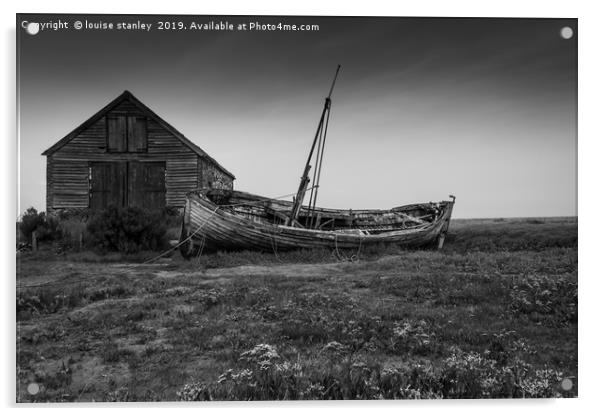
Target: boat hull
[209, 227]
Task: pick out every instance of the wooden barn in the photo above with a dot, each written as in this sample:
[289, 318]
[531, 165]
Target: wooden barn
[126, 155]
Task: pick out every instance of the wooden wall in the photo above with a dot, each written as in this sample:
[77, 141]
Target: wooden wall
[211, 177]
[67, 172]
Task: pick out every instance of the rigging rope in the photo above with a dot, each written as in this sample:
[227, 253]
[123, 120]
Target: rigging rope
[319, 167]
[314, 187]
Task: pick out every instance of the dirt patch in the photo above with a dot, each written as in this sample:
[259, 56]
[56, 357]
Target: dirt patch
[223, 275]
[285, 270]
[165, 274]
[95, 307]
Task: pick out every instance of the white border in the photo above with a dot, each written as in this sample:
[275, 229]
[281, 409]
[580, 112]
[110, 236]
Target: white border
[588, 168]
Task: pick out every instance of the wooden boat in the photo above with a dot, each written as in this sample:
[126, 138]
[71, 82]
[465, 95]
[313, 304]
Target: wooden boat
[221, 219]
[227, 220]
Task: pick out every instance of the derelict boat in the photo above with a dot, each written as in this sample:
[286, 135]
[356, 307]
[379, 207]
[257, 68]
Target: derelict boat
[227, 220]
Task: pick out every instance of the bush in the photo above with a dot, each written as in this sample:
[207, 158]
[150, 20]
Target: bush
[128, 230]
[72, 230]
[47, 227]
[79, 214]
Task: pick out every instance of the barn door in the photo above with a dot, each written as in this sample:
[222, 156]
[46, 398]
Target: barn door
[107, 184]
[146, 184]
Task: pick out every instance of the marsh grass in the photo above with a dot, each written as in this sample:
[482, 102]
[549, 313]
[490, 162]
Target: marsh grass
[459, 323]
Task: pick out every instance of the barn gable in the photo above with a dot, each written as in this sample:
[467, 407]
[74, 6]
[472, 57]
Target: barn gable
[127, 155]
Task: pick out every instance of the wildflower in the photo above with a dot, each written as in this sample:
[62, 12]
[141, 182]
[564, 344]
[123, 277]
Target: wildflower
[334, 348]
[261, 353]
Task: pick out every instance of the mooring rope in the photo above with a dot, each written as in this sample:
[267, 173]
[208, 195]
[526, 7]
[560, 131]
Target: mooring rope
[274, 247]
[201, 247]
[181, 242]
[207, 220]
[342, 257]
[359, 248]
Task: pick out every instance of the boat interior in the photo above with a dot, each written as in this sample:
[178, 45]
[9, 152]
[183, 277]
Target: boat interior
[277, 212]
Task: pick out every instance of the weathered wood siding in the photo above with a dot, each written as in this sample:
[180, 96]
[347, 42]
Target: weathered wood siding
[70, 183]
[211, 177]
[68, 168]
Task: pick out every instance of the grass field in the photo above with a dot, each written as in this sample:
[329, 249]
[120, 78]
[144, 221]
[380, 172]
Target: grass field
[494, 314]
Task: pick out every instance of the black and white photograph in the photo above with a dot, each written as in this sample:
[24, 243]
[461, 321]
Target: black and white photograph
[296, 207]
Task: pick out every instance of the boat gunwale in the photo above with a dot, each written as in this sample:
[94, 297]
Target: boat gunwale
[271, 229]
[344, 212]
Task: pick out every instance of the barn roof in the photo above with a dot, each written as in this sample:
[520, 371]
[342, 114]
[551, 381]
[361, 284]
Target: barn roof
[126, 95]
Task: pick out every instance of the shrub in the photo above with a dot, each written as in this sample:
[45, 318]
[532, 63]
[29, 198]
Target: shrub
[72, 231]
[128, 230]
[30, 220]
[47, 227]
[79, 214]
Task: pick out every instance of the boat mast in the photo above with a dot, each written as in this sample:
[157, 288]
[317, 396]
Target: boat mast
[319, 137]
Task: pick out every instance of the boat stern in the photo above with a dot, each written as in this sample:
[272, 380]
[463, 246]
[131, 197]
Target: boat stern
[449, 206]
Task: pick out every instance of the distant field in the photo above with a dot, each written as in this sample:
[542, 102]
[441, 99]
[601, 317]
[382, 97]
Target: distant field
[493, 314]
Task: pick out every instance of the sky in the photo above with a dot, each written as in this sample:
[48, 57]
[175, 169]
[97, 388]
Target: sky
[484, 109]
